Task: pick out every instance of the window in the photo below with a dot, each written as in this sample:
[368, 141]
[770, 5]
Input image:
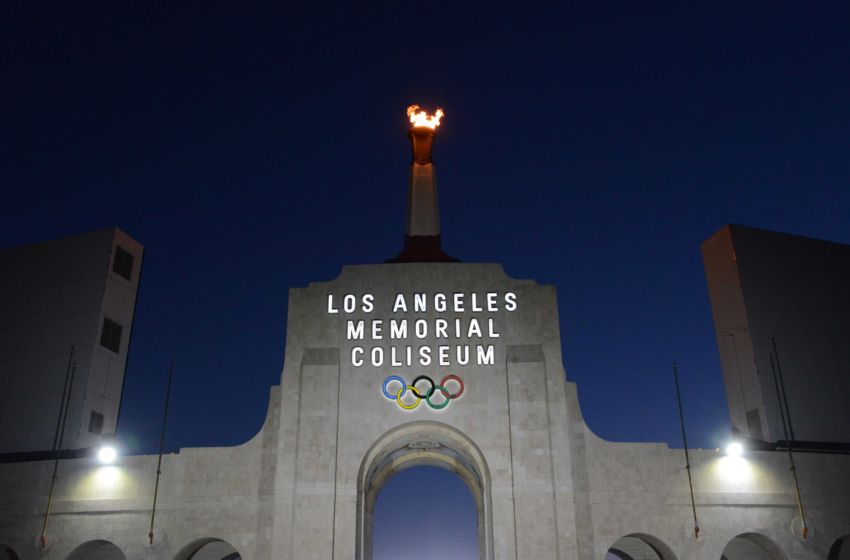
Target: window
[110, 335]
[122, 264]
[754, 423]
[96, 422]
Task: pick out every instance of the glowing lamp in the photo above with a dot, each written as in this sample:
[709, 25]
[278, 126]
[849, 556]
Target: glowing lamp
[734, 449]
[107, 454]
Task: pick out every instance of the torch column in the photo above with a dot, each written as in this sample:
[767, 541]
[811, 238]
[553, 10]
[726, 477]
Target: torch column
[423, 216]
[422, 241]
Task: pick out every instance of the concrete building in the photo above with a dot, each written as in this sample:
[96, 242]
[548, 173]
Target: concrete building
[781, 306]
[78, 292]
[428, 361]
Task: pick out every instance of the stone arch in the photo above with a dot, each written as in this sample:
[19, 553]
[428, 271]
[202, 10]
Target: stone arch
[639, 546]
[97, 550]
[8, 553]
[752, 546]
[209, 548]
[423, 443]
[840, 549]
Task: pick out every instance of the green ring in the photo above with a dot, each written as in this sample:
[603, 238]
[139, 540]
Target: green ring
[431, 394]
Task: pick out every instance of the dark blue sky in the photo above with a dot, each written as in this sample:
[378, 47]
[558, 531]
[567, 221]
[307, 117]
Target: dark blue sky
[425, 513]
[254, 148]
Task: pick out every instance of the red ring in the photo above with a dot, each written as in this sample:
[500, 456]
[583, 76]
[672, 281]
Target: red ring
[445, 391]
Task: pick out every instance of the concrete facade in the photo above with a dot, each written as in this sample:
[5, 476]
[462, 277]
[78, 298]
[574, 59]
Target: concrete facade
[545, 486]
[767, 286]
[54, 296]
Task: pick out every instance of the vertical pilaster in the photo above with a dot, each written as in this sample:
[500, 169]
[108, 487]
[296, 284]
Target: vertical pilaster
[531, 455]
[316, 453]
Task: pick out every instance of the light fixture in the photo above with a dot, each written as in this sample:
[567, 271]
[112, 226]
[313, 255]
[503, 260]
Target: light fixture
[107, 454]
[734, 449]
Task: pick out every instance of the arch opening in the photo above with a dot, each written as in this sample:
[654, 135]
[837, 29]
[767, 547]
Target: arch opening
[97, 550]
[840, 549]
[423, 443]
[8, 553]
[425, 512]
[208, 549]
[638, 546]
[752, 546]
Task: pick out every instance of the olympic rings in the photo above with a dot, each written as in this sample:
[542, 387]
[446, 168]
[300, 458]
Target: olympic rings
[445, 391]
[417, 380]
[408, 406]
[445, 403]
[441, 387]
[387, 382]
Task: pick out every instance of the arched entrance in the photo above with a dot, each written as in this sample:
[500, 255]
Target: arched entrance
[97, 550]
[423, 443]
[208, 549]
[432, 503]
[752, 546]
[840, 549]
[639, 547]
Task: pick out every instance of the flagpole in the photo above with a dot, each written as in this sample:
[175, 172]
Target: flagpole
[804, 529]
[161, 447]
[58, 444]
[685, 442]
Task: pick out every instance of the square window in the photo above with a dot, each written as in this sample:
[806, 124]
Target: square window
[96, 422]
[122, 263]
[754, 423]
[110, 335]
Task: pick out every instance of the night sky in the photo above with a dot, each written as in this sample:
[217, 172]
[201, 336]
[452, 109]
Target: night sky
[254, 148]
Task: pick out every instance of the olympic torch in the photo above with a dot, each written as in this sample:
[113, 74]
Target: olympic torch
[422, 241]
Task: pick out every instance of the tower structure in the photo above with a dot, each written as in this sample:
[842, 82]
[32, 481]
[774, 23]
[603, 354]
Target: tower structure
[66, 310]
[781, 306]
[422, 239]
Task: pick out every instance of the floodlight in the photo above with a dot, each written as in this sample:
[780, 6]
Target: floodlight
[107, 454]
[734, 449]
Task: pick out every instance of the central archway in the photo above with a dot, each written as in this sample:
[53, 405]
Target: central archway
[423, 443]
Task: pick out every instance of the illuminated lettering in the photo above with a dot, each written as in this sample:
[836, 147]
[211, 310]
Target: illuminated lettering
[419, 305]
[492, 304]
[459, 327]
[424, 356]
[462, 357]
[398, 329]
[491, 328]
[368, 303]
[354, 330]
[440, 326]
[355, 352]
[510, 301]
[486, 358]
[377, 356]
[443, 353]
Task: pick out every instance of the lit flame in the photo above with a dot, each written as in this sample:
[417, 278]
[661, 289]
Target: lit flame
[420, 118]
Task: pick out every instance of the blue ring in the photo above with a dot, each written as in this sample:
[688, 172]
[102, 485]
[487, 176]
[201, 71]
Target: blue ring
[387, 382]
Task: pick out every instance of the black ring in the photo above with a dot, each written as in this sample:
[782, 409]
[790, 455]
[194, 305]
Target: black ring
[416, 391]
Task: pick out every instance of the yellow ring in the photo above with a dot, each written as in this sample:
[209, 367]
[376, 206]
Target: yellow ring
[407, 406]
